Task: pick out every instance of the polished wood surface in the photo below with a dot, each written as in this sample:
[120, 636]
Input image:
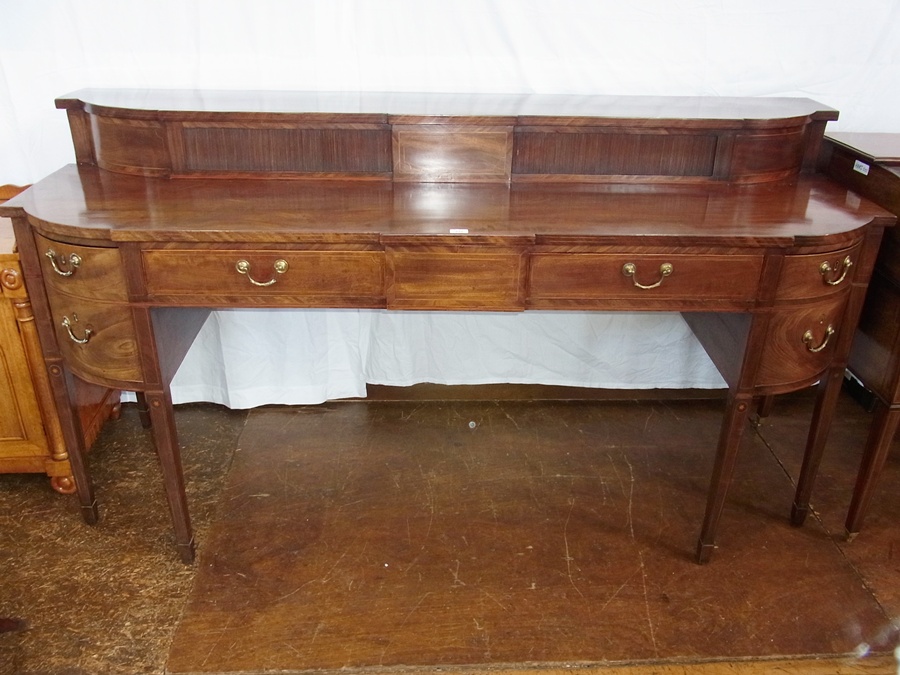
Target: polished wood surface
[870, 163]
[711, 208]
[809, 211]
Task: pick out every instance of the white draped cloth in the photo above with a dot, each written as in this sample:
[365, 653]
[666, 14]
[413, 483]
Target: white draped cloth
[315, 355]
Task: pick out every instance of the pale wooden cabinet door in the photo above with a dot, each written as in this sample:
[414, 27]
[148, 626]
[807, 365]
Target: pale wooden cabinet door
[21, 429]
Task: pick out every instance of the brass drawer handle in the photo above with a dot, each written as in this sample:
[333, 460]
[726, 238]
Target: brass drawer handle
[64, 267]
[826, 270]
[280, 267]
[88, 331]
[630, 269]
[808, 339]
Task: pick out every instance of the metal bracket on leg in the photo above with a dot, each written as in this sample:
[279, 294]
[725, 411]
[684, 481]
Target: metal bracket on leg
[187, 552]
[798, 514]
[90, 513]
[704, 552]
[143, 410]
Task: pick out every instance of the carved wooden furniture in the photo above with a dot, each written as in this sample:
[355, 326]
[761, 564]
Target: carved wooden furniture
[870, 164]
[182, 202]
[31, 439]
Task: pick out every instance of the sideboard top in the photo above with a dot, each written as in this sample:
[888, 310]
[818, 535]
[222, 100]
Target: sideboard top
[89, 203]
[386, 104]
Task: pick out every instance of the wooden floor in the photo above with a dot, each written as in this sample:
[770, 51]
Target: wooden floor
[490, 536]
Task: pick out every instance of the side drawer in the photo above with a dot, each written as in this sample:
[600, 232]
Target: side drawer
[800, 342]
[86, 271]
[816, 275]
[330, 278]
[97, 339]
[589, 276]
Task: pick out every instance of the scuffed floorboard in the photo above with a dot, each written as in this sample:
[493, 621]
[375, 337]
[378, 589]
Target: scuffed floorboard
[357, 535]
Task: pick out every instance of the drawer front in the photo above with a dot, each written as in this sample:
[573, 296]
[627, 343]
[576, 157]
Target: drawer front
[96, 339]
[800, 343]
[589, 276]
[311, 278]
[456, 279]
[85, 271]
[816, 275]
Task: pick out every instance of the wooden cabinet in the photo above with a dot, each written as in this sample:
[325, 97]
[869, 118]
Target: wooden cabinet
[31, 439]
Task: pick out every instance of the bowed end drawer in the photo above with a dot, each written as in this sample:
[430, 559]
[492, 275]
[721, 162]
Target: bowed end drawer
[800, 344]
[817, 275]
[86, 271]
[97, 340]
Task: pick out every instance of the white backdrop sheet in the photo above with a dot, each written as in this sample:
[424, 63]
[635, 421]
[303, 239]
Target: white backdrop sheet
[845, 55]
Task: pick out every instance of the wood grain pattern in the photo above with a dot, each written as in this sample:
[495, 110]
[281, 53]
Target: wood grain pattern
[115, 208]
[20, 419]
[321, 278]
[729, 278]
[803, 277]
[131, 146]
[284, 150]
[472, 278]
[787, 361]
[110, 355]
[761, 156]
[452, 154]
[584, 152]
[98, 273]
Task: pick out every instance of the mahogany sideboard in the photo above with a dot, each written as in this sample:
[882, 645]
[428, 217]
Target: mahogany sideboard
[869, 163]
[185, 201]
